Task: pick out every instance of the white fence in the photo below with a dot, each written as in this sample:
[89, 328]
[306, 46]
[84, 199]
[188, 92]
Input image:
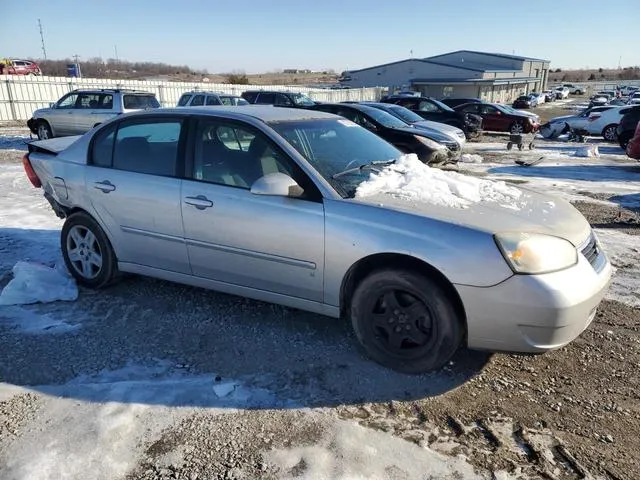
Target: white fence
[21, 95]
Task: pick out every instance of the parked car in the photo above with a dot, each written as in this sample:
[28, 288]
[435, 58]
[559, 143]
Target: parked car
[400, 134]
[633, 147]
[454, 102]
[455, 134]
[279, 99]
[16, 66]
[431, 109]
[598, 100]
[535, 117]
[610, 94]
[525, 101]
[277, 217]
[597, 121]
[495, 118]
[627, 125]
[81, 110]
[540, 98]
[574, 89]
[561, 93]
[549, 96]
[633, 96]
[199, 99]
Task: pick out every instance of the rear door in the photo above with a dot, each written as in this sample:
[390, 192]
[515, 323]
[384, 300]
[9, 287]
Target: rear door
[266, 98]
[134, 188]
[84, 116]
[233, 236]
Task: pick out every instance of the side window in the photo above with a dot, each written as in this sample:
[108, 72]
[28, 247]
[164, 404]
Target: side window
[352, 115]
[488, 110]
[197, 101]
[407, 103]
[471, 109]
[106, 102]
[150, 147]
[213, 100]
[236, 155]
[102, 147]
[68, 102]
[282, 100]
[184, 99]
[226, 101]
[88, 101]
[266, 98]
[426, 106]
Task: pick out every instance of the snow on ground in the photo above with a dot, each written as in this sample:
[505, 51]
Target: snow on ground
[624, 253]
[34, 282]
[410, 179]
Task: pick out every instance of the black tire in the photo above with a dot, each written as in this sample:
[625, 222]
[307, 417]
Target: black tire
[436, 324]
[43, 130]
[623, 140]
[509, 146]
[520, 147]
[516, 127]
[532, 146]
[100, 276]
[609, 133]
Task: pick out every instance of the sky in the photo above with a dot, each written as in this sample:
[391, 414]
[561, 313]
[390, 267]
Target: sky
[257, 36]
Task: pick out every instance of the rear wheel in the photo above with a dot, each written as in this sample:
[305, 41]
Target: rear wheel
[87, 251]
[516, 127]
[44, 130]
[623, 140]
[609, 133]
[405, 321]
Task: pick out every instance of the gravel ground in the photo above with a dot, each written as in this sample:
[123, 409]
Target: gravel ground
[113, 379]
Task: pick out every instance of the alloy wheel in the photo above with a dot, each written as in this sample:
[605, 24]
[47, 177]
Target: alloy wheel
[84, 252]
[610, 134]
[43, 132]
[517, 128]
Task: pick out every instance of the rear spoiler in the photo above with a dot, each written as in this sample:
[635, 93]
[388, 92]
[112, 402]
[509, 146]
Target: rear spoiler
[53, 146]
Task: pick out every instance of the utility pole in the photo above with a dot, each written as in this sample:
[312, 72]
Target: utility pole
[44, 50]
[620, 62]
[115, 49]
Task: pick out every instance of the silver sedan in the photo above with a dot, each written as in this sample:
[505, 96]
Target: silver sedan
[309, 210]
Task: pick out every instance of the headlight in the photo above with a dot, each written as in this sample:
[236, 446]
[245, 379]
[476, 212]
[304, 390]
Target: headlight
[536, 253]
[429, 143]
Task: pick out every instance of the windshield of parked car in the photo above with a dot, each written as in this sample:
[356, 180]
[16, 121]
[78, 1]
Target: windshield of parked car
[140, 101]
[405, 114]
[332, 146]
[385, 119]
[300, 99]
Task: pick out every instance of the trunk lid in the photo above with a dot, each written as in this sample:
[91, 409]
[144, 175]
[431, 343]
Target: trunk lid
[53, 145]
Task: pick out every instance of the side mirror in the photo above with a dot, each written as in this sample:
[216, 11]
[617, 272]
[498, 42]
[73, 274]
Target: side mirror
[277, 184]
[51, 104]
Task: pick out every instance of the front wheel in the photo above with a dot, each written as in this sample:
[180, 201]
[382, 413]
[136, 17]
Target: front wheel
[405, 321]
[44, 130]
[87, 251]
[623, 140]
[609, 133]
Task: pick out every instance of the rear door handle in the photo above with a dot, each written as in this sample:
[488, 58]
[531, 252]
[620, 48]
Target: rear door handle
[200, 202]
[106, 186]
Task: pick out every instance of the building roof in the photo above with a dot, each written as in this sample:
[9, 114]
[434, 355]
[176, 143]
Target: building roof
[489, 54]
[422, 60]
[463, 81]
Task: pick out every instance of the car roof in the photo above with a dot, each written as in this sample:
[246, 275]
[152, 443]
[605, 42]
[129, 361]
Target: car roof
[203, 92]
[273, 91]
[355, 106]
[266, 113]
[110, 90]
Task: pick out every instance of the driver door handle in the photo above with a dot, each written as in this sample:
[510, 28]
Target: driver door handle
[200, 202]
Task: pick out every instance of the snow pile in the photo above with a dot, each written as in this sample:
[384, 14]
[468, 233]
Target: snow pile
[29, 322]
[588, 151]
[34, 282]
[408, 178]
[470, 158]
[13, 142]
[623, 251]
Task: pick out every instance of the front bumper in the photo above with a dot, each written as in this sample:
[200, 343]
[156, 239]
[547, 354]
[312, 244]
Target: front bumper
[535, 313]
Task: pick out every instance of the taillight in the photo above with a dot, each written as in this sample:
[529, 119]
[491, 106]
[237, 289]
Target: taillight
[31, 173]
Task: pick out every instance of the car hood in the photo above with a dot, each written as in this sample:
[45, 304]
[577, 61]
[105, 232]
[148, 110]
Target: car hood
[432, 133]
[40, 112]
[537, 213]
[562, 118]
[442, 127]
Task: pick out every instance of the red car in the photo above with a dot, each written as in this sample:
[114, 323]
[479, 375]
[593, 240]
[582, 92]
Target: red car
[497, 118]
[633, 148]
[19, 67]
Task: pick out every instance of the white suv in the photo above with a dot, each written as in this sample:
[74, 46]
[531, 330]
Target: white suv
[81, 110]
[598, 121]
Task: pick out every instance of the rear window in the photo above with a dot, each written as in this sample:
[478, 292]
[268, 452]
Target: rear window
[140, 102]
[213, 100]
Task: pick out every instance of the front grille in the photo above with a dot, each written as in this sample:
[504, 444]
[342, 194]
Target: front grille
[590, 250]
[453, 146]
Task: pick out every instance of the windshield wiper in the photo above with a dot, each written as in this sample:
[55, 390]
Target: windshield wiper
[371, 165]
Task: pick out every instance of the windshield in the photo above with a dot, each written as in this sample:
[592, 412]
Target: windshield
[385, 119]
[140, 101]
[406, 114]
[300, 99]
[332, 146]
[444, 107]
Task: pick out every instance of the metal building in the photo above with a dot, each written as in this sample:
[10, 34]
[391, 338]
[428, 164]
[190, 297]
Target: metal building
[494, 77]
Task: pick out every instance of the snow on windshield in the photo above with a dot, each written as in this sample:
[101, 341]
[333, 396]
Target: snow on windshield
[408, 178]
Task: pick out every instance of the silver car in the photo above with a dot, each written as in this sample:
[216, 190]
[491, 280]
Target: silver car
[81, 110]
[260, 202]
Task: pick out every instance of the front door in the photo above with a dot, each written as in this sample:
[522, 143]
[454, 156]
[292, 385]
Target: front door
[134, 189]
[270, 243]
[493, 119]
[61, 116]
